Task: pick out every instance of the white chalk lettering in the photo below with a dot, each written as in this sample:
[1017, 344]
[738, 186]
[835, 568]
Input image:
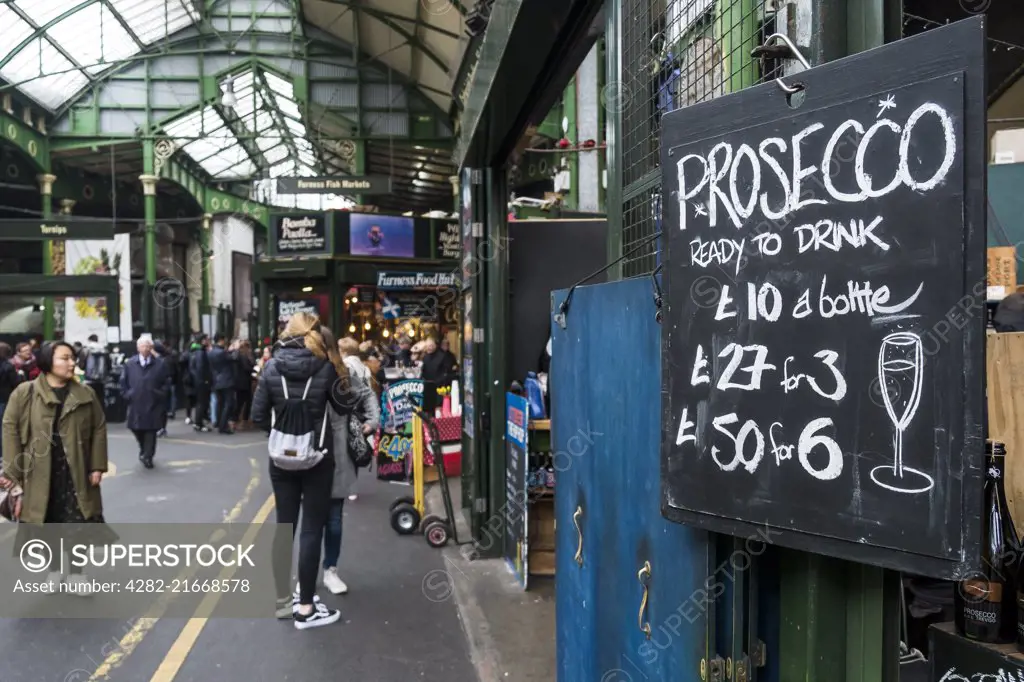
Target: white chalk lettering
[724, 299]
[833, 235]
[716, 252]
[700, 177]
[755, 370]
[685, 425]
[697, 377]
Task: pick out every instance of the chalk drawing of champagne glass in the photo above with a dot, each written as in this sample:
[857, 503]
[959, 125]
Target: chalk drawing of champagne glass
[900, 376]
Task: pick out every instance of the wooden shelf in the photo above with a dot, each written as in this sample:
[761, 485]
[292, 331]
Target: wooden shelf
[540, 424]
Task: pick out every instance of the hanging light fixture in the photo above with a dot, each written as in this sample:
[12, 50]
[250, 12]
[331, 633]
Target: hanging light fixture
[367, 326]
[385, 333]
[228, 99]
[352, 328]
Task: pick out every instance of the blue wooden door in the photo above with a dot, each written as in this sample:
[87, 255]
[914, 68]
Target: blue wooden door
[610, 354]
[574, 510]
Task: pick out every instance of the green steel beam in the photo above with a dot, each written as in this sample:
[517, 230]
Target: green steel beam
[185, 46]
[34, 145]
[278, 116]
[218, 202]
[392, 15]
[185, 178]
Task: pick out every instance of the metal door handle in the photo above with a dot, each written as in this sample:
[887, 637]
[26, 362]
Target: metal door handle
[644, 576]
[579, 534]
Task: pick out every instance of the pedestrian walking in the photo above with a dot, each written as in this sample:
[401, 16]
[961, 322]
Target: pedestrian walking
[58, 428]
[201, 379]
[361, 423]
[145, 382]
[222, 366]
[9, 380]
[243, 364]
[301, 372]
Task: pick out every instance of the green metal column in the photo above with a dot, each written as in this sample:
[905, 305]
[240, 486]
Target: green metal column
[263, 309]
[204, 267]
[571, 130]
[46, 181]
[494, 251]
[149, 181]
[613, 102]
[841, 620]
[359, 161]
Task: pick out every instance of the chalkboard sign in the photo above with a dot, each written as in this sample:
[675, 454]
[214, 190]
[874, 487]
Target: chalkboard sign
[824, 325]
[957, 659]
[397, 403]
[516, 507]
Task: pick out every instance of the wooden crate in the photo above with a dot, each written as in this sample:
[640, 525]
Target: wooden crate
[542, 536]
[1005, 373]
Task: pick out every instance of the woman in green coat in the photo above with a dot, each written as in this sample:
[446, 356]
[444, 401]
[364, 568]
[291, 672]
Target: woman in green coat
[55, 439]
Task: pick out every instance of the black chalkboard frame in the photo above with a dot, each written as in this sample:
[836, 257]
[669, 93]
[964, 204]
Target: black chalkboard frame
[957, 47]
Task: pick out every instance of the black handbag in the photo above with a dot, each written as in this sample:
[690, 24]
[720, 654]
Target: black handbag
[358, 447]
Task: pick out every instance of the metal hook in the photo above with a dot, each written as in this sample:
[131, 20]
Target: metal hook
[788, 89]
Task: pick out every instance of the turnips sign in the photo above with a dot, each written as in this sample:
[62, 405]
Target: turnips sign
[301, 234]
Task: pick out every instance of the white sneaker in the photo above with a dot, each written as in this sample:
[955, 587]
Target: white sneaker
[53, 581]
[333, 582]
[320, 615]
[80, 585]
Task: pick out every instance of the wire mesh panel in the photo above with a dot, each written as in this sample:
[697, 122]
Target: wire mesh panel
[676, 53]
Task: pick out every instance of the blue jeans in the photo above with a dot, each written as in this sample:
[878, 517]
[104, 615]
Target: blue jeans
[332, 534]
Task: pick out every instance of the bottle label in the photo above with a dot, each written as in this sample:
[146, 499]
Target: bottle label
[982, 590]
[982, 605]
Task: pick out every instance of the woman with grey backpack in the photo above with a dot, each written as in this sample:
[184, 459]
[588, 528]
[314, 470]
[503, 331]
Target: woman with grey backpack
[295, 393]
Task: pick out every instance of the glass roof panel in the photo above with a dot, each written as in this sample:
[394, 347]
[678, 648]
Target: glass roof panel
[41, 12]
[275, 154]
[152, 20]
[94, 38]
[15, 30]
[27, 66]
[73, 37]
[280, 141]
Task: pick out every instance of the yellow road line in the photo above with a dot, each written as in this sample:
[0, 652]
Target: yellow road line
[171, 440]
[186, 640]
[142, 626]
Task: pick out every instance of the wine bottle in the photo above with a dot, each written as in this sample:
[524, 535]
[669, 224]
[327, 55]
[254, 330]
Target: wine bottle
[986, 602]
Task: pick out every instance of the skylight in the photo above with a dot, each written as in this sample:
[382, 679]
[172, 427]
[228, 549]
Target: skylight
[52, 48]
[273, 136]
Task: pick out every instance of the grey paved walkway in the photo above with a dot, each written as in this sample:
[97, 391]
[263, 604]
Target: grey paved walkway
[392, 630]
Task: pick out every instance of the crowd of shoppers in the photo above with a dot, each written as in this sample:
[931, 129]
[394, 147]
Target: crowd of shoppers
[54, 396]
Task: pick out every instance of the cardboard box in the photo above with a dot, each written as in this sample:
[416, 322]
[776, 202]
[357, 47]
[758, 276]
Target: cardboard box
[1008, 146]
[1002, 271]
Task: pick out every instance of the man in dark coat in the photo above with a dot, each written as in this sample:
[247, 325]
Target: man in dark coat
[222, 367]
[438, 371]
[201, 378]
[145, 383]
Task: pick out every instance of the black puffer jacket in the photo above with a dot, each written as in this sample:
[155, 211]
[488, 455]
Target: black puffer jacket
[297, 364]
